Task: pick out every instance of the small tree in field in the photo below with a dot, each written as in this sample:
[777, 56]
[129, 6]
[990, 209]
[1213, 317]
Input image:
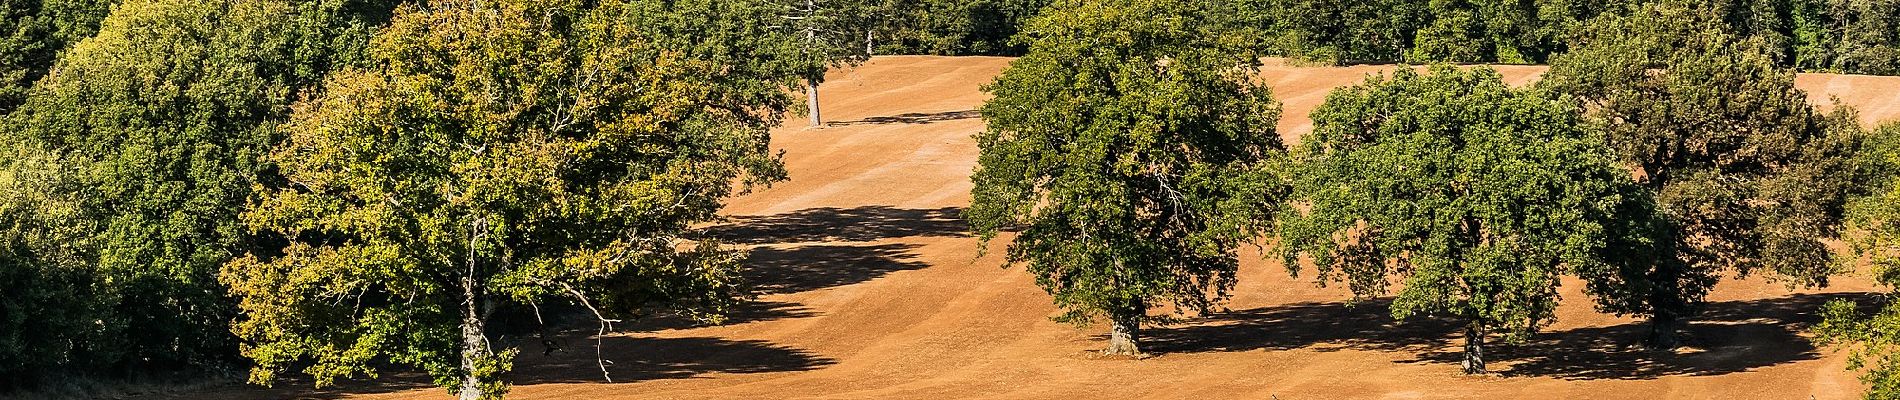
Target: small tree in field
[1130, 146]
[507, 153]
[1477, 196]
[832, 33]
[1748, 176]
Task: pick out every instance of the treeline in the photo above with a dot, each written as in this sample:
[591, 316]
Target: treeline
[1133, 151]
[1852, 36]
[1848, 36]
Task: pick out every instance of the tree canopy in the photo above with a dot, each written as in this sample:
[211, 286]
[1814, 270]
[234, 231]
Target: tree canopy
[1747, 173]
[1872, 339]
[1475, 196]
[508, 154]
[1132, 147]
[33, 32]
[134, 155]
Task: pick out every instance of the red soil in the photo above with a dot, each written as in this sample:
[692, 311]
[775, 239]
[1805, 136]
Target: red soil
[876, 291]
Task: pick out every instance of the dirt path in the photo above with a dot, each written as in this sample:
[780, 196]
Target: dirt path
[877, 292]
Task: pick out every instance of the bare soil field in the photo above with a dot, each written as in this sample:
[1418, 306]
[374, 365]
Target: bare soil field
[873, 289]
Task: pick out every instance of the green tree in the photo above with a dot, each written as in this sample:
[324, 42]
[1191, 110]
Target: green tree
[1508, 31]
[960, 27]
[141, 146]
[504, 154]
[830, 31]
[1874, 339]
[1855, 36]
[33, 32]
[1133, 148]
[1747, 173]
[1478, 197]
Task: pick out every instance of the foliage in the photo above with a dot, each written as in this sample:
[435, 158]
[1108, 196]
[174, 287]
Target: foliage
[47, 309]
[32, 32]
[1747, 173]
[959, 27]
[833, 31]
[1133, 148]
[1508, 31]
[1874, 339]
[1855, 36]
[135, 154]
[508, 154]
[1477, 196]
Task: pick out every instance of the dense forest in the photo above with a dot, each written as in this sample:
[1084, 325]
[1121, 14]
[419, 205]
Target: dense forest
[331, 187]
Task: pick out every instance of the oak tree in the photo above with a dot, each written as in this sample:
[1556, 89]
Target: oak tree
[1748, 175]
[1475, 196]
[504, 154]
[1130, 151]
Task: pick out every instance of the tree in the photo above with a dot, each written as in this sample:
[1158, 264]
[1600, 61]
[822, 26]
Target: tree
[1855, 36]
[32, 32]
[830, 30]
[1478, 197]
[139, 148]
[503, 154]
[1508, 31]
[957, 27]
[1873, 339]
[1133, 148]
[1747, 173]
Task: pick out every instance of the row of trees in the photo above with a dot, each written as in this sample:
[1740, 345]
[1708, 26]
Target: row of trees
[1132, 150]
[353, 184]
[1856, 36]
[168, 167]
[366, 183]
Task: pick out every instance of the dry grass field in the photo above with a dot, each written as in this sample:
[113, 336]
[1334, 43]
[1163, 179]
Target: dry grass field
[873, 289]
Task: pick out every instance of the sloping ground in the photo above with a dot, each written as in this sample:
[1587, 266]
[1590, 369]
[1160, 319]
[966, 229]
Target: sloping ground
[876, 291]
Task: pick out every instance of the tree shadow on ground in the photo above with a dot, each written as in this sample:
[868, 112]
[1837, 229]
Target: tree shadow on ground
[807, 268]
[626, 359]
[634, 359]
[831, 224]
[744, 313]
[912, 118]
[1324, 326]
[1728, 337]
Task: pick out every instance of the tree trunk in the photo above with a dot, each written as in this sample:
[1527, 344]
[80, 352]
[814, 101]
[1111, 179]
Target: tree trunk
[1662, 331]
[1474, 349]
[1124, 338]
[1665, 305]
[474, 343]
[474, 348]
[868, 47]
[811, 100]
[811, 83]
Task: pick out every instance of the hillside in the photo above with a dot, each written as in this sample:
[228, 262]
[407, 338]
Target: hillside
[874, 291]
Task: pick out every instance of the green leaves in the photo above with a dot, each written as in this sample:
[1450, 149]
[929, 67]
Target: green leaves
[32, 32]
[1476, 195]
[1875, 217]
[1746, 174]
[506, 153]
[150, 132]
[1132, 148]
